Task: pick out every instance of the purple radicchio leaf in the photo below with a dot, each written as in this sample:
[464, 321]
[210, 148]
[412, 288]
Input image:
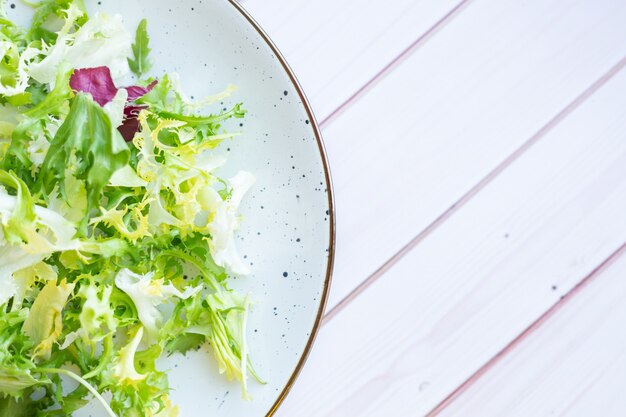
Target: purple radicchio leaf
[99, 83]
[130, 125]
[135, 91]
[95, 81]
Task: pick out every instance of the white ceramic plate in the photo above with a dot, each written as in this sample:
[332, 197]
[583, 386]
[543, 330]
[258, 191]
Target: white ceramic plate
[287, 233]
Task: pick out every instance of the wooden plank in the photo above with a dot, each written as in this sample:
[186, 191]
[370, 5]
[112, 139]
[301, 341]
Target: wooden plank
[574, 364]
[471, 96]
[336, 47]
[481, 278]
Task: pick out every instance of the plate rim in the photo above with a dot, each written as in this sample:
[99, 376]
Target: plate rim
[331, 204]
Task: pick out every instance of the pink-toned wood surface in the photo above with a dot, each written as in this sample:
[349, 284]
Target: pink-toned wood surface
[478, 149]
[560, 367]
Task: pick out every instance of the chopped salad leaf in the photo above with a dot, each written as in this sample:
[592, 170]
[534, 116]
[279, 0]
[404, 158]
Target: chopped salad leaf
[95, 81]
[141, 50]
[116, 101]
[117, 235]
[90, 146]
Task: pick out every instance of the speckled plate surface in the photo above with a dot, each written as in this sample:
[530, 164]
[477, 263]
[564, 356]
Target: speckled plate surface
[287, 233]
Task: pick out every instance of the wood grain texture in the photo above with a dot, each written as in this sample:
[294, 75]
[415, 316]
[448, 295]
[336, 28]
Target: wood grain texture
[336, 47]
[482, 278]
[473, 94]
[470, 97]
[573, 365]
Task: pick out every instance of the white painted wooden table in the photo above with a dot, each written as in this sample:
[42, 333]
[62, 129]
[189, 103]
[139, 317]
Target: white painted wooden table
[478, 151]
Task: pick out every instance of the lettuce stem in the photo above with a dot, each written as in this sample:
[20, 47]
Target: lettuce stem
[81, 381]
[108, 347]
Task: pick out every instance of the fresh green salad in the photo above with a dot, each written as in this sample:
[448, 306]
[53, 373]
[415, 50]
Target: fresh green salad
[116, 235]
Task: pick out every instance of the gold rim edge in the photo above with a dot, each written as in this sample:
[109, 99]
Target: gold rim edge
[331, 206]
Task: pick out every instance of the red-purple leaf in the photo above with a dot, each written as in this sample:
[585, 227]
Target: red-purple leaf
[135, 91]
[133, 110]
[98, 83]
[130, 125]
[95, 81]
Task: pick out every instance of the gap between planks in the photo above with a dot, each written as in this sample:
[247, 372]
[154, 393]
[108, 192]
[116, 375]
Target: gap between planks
[476, 189]
[533, 327]
[421, 40]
